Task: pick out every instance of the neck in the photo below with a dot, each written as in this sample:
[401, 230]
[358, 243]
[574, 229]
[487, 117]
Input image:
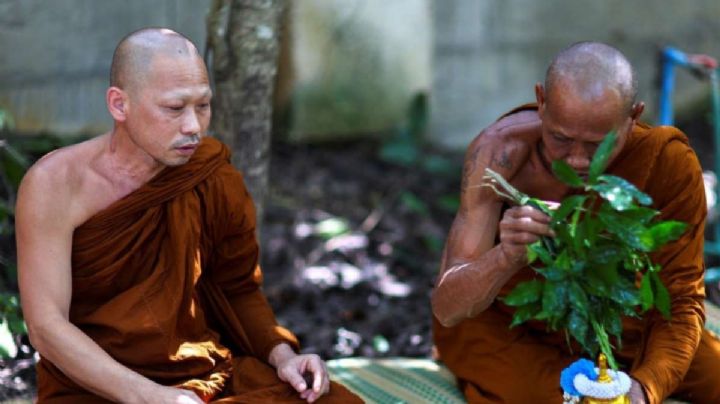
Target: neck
[127, 163]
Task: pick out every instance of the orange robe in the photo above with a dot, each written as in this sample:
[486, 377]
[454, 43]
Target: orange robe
[166, 280]
[521, 365]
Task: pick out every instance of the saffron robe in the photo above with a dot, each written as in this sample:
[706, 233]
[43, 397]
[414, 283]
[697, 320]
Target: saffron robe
[520, 365]
[166, 280]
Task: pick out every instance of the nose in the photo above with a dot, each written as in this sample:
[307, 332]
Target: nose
[578, 158]
[190, 124]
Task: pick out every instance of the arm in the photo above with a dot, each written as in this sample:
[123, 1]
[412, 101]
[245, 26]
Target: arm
[669, 346]
[236, 271]
[44, 239]
[473, 269]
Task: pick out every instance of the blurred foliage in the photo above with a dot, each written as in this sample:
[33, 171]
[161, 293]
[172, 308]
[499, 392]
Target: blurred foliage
[408, 148]
[16, 155]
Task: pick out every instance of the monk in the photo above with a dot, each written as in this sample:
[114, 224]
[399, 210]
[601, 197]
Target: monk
[138, 259]
[589, 91]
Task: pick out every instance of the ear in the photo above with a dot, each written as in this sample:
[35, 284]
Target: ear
[117, 100]
[637, 110]
[540, 97]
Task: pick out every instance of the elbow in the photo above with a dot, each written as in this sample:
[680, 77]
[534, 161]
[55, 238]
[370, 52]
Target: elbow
[40, 335]
[36, 337]
[444, 316]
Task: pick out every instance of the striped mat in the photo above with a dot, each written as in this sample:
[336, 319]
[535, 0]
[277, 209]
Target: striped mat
[396, 380]
[408, 380]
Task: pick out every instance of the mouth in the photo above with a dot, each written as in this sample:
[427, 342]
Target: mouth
[187, 149]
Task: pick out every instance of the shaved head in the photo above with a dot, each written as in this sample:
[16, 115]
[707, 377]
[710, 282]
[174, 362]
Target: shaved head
[591, 69]
[134, 54]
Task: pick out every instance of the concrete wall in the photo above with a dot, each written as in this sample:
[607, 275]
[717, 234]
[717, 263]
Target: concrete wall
[55, 56]
[489, 54]
[351, 67]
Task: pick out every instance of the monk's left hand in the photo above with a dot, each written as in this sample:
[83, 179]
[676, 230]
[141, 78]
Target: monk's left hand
[291, 367]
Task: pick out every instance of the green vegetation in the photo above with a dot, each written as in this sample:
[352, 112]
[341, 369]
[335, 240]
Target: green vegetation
[588, 271]
[16, 155]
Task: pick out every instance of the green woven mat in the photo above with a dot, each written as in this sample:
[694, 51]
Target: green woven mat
[712, 318]
[405, 380]
[396, 380]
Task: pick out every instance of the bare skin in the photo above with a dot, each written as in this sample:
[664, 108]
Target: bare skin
[521, 147]
[158, 124]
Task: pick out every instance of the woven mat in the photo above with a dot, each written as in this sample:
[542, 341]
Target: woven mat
[406, 380]
[396, 380]
[712, 318]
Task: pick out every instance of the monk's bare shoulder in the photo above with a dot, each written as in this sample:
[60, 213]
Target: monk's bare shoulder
[54, 183]
[504, 146]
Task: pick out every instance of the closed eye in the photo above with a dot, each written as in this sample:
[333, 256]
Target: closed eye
[560, 138]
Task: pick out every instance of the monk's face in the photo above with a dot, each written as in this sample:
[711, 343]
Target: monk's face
[573, 126]
[170, 108]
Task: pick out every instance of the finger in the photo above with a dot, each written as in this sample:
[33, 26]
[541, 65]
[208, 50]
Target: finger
[315, 365]
[293, 377]
[525, 225]
[528, 211]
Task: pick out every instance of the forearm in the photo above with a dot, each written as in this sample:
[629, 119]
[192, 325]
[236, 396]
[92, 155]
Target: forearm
[466, 290]
[259, 323]
[86, 363]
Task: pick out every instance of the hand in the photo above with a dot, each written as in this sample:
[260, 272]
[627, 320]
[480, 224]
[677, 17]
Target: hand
[173, 395]
[292, 370]
[520, 226]
[637, 393]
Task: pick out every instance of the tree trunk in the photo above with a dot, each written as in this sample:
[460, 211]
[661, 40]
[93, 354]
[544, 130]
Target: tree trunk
[243, 43]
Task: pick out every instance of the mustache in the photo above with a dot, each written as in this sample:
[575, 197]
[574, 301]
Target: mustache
[188, 141]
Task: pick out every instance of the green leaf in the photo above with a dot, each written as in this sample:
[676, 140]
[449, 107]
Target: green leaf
[663, 232]
[578, 298]
[600, 159]
[625, 293]
[646, 293]
[539, 249]
[13, 165]
[523, 314]
[414, 204]
[640, 214]
[626, 229]
[566, 174]
[532, 255]
[578, 328]
[567, 206]
[554, 301]
[619, 192]
[661, 295]
[606, 254]
[604, 342]
[449, 203]
[524, 293]
[8, 348]
[331, 227]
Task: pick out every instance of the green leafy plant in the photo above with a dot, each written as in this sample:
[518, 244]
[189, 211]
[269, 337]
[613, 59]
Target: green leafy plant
[588, 271]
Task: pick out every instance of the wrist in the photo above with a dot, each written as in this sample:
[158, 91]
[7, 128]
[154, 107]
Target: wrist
[280, 353]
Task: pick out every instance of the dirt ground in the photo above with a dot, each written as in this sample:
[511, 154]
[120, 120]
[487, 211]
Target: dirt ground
[351, 245]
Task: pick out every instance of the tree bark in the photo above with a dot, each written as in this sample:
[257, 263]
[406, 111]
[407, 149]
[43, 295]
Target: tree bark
[243, 43]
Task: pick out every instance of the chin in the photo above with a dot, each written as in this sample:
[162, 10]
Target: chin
[178, 161]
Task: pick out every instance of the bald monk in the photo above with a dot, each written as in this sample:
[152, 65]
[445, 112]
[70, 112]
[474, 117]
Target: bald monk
[138, 260]
[589, 91]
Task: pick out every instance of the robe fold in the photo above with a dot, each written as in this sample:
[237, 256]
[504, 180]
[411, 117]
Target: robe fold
[497, 364]
[166, 280]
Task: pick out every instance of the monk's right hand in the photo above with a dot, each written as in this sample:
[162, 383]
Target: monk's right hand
[519, 227]
[173, 395]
